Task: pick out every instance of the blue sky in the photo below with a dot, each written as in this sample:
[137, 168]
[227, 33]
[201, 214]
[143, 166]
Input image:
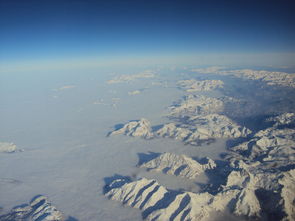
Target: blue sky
[57, 30]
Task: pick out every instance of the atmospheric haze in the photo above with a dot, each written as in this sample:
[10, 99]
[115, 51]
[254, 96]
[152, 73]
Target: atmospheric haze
[147, 110]
[199, 144]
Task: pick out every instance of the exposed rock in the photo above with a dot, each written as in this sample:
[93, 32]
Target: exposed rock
[247, 202]
[203, 128]
[131, 77]
[242, 202]
[217, 126]
[288, 194]
[273, 147]
[142, 193]
[159, 203]
[267, 161]
[179, 165]
[200, 128]
[259, 184]
[7, 147]
[261, 176]
[199, 123]
[283, 119]
[270, 77]
[193, 85]
[185, 206]
[140, 128]
[38, 209]
[174, 131]
[196, 105]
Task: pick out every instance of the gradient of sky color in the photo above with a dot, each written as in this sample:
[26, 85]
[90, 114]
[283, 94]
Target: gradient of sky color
[84, 29]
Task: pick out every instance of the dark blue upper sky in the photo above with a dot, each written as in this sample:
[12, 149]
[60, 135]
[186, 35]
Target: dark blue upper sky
[46, 29]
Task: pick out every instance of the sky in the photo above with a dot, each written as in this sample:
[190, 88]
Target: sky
[39, 32]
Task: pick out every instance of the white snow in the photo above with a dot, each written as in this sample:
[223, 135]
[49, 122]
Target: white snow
[69, 159]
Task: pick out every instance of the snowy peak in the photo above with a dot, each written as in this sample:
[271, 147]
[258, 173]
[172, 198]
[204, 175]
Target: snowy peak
[200, 128]
[159, 203]
[193, 85]
[140, 128]
[196, 105]
[178, 165]
[273, 147]
[283, 119]
[203, 128]
[142, 193]
[39, 209]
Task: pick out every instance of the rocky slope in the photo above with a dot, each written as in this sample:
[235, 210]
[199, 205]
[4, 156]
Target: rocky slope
[196, 105]
[159, 203]
[272, 188]
[283, 119]
[270, 77]
[268, 158]
[199, 128]
[203, 128]
[288, 194]
[260, 183]
[140, 128]
[178, 165]
[217, 126]
[193, 85]
[247, 192]
[271, 148]
[37, 210]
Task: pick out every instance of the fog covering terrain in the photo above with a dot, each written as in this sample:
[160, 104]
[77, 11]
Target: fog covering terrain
[59, 140]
